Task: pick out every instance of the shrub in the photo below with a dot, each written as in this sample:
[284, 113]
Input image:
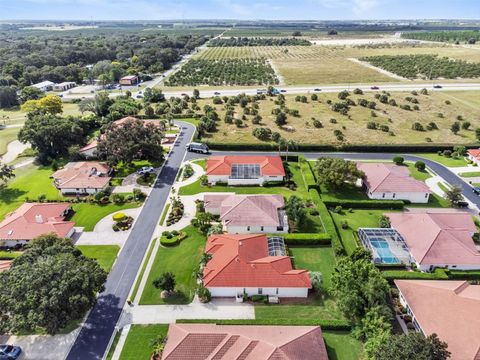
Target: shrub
[384, 222]
[204, 294]
[307, 239]
[398, 160]
[417, 126]
[420, 165]
[119, 217]
[317, 124]
[118, 198]
[372, 125]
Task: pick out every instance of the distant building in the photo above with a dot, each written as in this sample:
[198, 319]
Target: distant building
[252, 265]
[474, 155]
[244, 169]
[249, 214]
[392, 182]
[129, 80]
[81, 178]
[64, 86]
[44, 85]
[31, 220]
[226, 342]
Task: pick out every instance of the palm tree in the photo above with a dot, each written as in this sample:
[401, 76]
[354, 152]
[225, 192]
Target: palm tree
[291, 144]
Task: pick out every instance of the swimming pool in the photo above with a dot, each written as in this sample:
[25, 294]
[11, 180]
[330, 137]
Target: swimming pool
[383, 251]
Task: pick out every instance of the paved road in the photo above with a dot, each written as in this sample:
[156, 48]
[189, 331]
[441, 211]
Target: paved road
[441, 170]
[99, 326]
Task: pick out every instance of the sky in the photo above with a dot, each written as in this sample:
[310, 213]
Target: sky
[238, 9]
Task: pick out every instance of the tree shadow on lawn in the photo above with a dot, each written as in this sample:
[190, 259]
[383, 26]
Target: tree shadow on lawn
[177, 298]
[9, 195]
[347, 192]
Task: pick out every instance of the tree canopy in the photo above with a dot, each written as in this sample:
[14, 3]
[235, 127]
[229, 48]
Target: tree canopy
[335, 173]
[48, 286]
[130, 141]
[412, 346]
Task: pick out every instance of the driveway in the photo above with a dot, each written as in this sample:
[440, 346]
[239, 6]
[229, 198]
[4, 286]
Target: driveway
[100, 324]
[166, 314]
[42, 347]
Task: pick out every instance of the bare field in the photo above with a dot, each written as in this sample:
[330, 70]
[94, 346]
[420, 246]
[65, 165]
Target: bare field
[355, 130]
[304, 65]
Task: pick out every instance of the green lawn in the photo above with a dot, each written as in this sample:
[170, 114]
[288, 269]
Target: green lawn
[9, 255]
[356, 219]
[447, 161]
[30, 182]
[348, 192]
[182, 260]
[122, 170]
[470, 174]
[342, 346]
[142, 270]
[315, 258]
[417, 174]
[88, 215]
[104, 254]
[138, 343]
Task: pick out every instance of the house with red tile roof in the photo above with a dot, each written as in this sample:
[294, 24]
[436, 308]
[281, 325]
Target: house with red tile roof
[252, 264]
[89, 150]
[82, 178]
[244, 169]
[248, 214]
[474, 155]
[392, 182]
[438, 238]
[450, 309]
[226, 342]
[34, 219]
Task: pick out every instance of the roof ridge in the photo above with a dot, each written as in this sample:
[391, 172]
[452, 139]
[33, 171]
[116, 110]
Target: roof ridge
[389, 172]
[430, 247]
[314, 328]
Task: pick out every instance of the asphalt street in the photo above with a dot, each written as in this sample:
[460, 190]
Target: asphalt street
[438, 168]
[95, 334]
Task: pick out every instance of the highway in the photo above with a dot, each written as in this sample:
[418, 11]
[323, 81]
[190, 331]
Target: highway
[97, 330]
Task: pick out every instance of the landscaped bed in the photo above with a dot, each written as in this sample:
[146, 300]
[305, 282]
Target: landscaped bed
[182, 260]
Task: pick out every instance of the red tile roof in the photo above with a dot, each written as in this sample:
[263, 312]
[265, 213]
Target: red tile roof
[228, 342]
[450, 309]
[474, 153]
[381, 177]
[34, 219]
[438, 237]
[243, 261]
[222, 165]
[247, 210]
[5, 265]
[83, 174]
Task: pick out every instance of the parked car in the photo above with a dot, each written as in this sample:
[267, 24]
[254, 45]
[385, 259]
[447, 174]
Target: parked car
[183, 94]
[462, 204]
[139, 96]
[317, 89]
[374, 88]
[145, 170]
[283, 91]
[10, 352]
[476, 190]
[198, 147]
[437, 86]
[216, 93]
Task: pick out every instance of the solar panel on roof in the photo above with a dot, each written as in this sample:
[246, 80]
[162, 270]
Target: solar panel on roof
[245, 171]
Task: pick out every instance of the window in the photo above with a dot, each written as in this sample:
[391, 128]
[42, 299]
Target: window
[394, 195]
[383, 195]
[248, 228]
[279, 228]
[260, 291]
[426, 195]
[261, 228]
[276, 292]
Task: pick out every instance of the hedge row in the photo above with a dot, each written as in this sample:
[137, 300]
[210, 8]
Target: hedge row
[366, 204]
[400, 148]
[464, 274]
[438, 274]
[327, 221]
[325, 324]
[307, 173]
[307, 239]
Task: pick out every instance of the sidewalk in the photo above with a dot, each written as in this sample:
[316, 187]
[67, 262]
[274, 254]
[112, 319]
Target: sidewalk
[166, 314]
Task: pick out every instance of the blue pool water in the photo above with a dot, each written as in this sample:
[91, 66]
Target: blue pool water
[383, 251]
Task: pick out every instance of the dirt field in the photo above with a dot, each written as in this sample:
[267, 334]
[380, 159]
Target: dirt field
[355, 129]
[304, 65]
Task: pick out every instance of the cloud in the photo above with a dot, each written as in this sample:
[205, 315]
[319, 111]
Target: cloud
[358, 7]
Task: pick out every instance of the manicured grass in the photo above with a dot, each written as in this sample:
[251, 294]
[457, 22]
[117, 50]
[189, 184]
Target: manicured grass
[470, 174]
[417, 174]
[111, 351]
[88, 215]
[447, 161]
[164, 214]
[142, 270]
[122, 169]
[104, 254]
[348, 192]
[315, 258]
[356, 219]
[182, 260]
[9, 255]
[201, 162]
[29, 182]
[314, 307]
[342, 346]
[138, 343]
